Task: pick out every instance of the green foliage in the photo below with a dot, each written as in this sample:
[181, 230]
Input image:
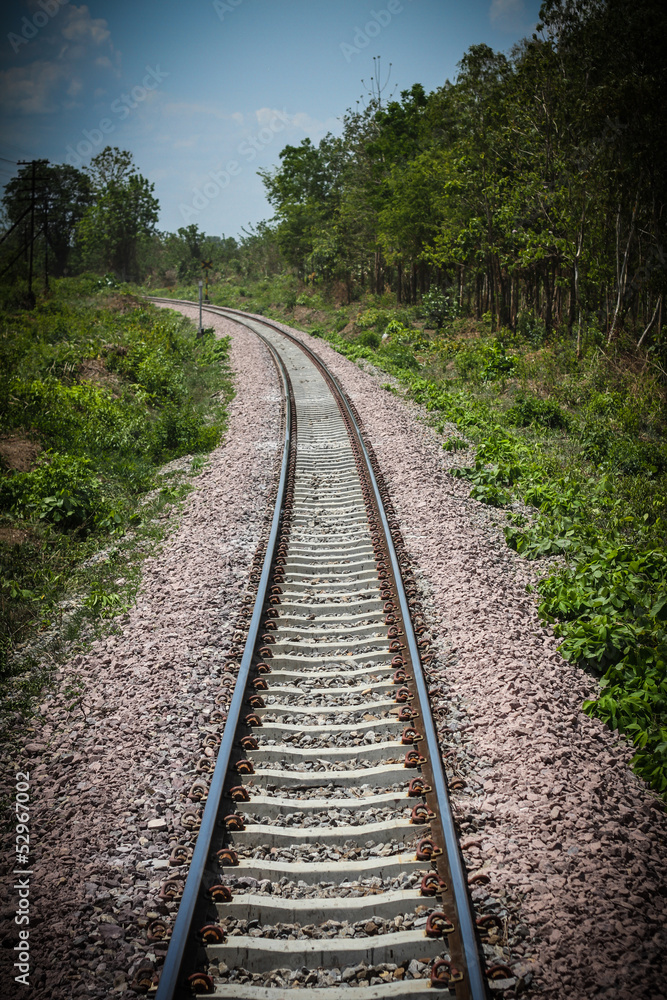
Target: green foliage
[370, 319]
[484, 361]
[531, 328]
[603, 509]
[110, 389]
[369, 338]
[62, 491]
[122, 217]
[529, 410]
[105, 601]
[455, 444]
[438, 307]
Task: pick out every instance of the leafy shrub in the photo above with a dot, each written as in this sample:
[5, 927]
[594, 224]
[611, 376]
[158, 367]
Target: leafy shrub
[455, 444]
[491, 494]
[596, 441]
[531, 328]
[369, 338]
[484, 361]
[631, 457]
[438, 307]
[399, 356]
[372, 319]
[529, 410]
[62, 490]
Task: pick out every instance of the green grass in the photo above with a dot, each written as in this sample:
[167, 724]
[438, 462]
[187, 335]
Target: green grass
[109, 389]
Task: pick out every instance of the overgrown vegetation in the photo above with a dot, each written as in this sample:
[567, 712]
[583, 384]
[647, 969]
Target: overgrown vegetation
[97, 391]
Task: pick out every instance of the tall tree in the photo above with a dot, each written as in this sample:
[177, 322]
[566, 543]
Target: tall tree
[63, 194]
[123, 217]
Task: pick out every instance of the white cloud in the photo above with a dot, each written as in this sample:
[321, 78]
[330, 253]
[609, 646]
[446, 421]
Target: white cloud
[190, 108]
[313, 126]
[265, 116]
[507, 13]
[301, 120]
[83, 35]
[75, 87]
[30, 90]
[81, 28]
[47, 86]
[188, 142]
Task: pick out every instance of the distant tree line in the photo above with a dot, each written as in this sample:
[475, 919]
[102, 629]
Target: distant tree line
[71, 220]
[532, 186]
[534, 183]
[104, 219]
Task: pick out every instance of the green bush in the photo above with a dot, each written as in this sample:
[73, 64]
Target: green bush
[62, 490]
[438, 307]
[371, 319]
[369, 338]
[529, 410]
[484, 361]
[531, 329]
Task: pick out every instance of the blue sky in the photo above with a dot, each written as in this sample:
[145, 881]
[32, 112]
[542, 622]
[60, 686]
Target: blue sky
[205, 92]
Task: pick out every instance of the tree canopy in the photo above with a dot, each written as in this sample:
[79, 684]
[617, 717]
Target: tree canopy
[534, 182]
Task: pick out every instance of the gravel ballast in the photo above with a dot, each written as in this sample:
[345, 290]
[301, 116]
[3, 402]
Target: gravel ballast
[573, 844]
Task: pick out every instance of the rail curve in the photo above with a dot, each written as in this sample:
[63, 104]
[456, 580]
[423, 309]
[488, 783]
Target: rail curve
[326, 856]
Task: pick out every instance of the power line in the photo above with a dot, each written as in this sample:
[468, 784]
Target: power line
[33, 164]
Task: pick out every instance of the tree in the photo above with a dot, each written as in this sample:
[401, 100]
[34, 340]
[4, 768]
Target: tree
[111, 166]
[123, 217]
[303, 190]
[63, 194]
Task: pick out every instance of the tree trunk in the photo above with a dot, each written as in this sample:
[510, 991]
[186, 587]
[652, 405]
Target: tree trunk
[623, 274]
[651, 321]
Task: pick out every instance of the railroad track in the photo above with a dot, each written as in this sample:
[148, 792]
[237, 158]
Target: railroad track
[326, 858]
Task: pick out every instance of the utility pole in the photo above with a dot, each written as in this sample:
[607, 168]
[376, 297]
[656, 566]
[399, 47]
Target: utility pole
[200, 331]
[46, 242]
[206, 267]
[33, 190]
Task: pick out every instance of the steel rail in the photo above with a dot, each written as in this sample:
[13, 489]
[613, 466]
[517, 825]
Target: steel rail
[476, 977]
[475, 980]
[170, 976]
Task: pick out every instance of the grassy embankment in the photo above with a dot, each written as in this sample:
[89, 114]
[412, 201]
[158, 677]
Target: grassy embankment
[579, 441]
[97, 392]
